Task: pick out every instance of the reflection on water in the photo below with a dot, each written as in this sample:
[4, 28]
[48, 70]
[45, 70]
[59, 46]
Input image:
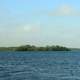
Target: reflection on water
[39, 65]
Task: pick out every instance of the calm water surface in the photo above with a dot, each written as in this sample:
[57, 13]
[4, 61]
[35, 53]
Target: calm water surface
[40, 65]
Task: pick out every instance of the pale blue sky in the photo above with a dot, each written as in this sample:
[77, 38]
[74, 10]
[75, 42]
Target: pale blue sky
[40, 22]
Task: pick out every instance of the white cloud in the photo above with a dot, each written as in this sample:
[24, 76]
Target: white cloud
[29, 28]
[64, 10]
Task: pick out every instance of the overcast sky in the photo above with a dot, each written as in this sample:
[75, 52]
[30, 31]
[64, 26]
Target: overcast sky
[40, 22]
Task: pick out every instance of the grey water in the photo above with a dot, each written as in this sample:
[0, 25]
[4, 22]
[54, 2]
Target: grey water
[40, 65]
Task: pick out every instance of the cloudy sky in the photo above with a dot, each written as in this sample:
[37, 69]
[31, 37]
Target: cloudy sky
[40, 22]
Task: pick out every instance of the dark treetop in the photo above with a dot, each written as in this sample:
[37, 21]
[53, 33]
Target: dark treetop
[34, 48]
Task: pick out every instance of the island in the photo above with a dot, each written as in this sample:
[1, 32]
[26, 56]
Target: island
[35, 48]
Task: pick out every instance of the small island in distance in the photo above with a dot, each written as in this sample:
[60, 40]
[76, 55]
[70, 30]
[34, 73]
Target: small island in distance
[35, 48]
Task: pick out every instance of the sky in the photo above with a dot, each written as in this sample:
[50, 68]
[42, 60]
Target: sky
[40, 22]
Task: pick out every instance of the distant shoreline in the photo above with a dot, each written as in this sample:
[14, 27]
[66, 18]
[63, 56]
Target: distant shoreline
[35, 48]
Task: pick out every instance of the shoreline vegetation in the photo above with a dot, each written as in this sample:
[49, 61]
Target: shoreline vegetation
[35, 48]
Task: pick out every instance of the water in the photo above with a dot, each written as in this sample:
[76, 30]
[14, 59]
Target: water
[40, 65]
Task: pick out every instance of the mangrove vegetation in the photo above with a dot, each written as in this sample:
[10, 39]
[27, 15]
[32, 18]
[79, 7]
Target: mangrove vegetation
[35, 48]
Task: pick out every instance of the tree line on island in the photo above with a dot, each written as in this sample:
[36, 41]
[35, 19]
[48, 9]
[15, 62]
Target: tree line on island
[35, 48]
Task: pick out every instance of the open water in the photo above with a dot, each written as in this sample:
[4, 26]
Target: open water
[40, 65]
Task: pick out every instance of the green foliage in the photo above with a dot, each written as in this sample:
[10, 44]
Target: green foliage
[46, 48]
[35, 48]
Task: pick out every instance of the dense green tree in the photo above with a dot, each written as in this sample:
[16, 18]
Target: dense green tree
[35, 48]
[46, 48]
